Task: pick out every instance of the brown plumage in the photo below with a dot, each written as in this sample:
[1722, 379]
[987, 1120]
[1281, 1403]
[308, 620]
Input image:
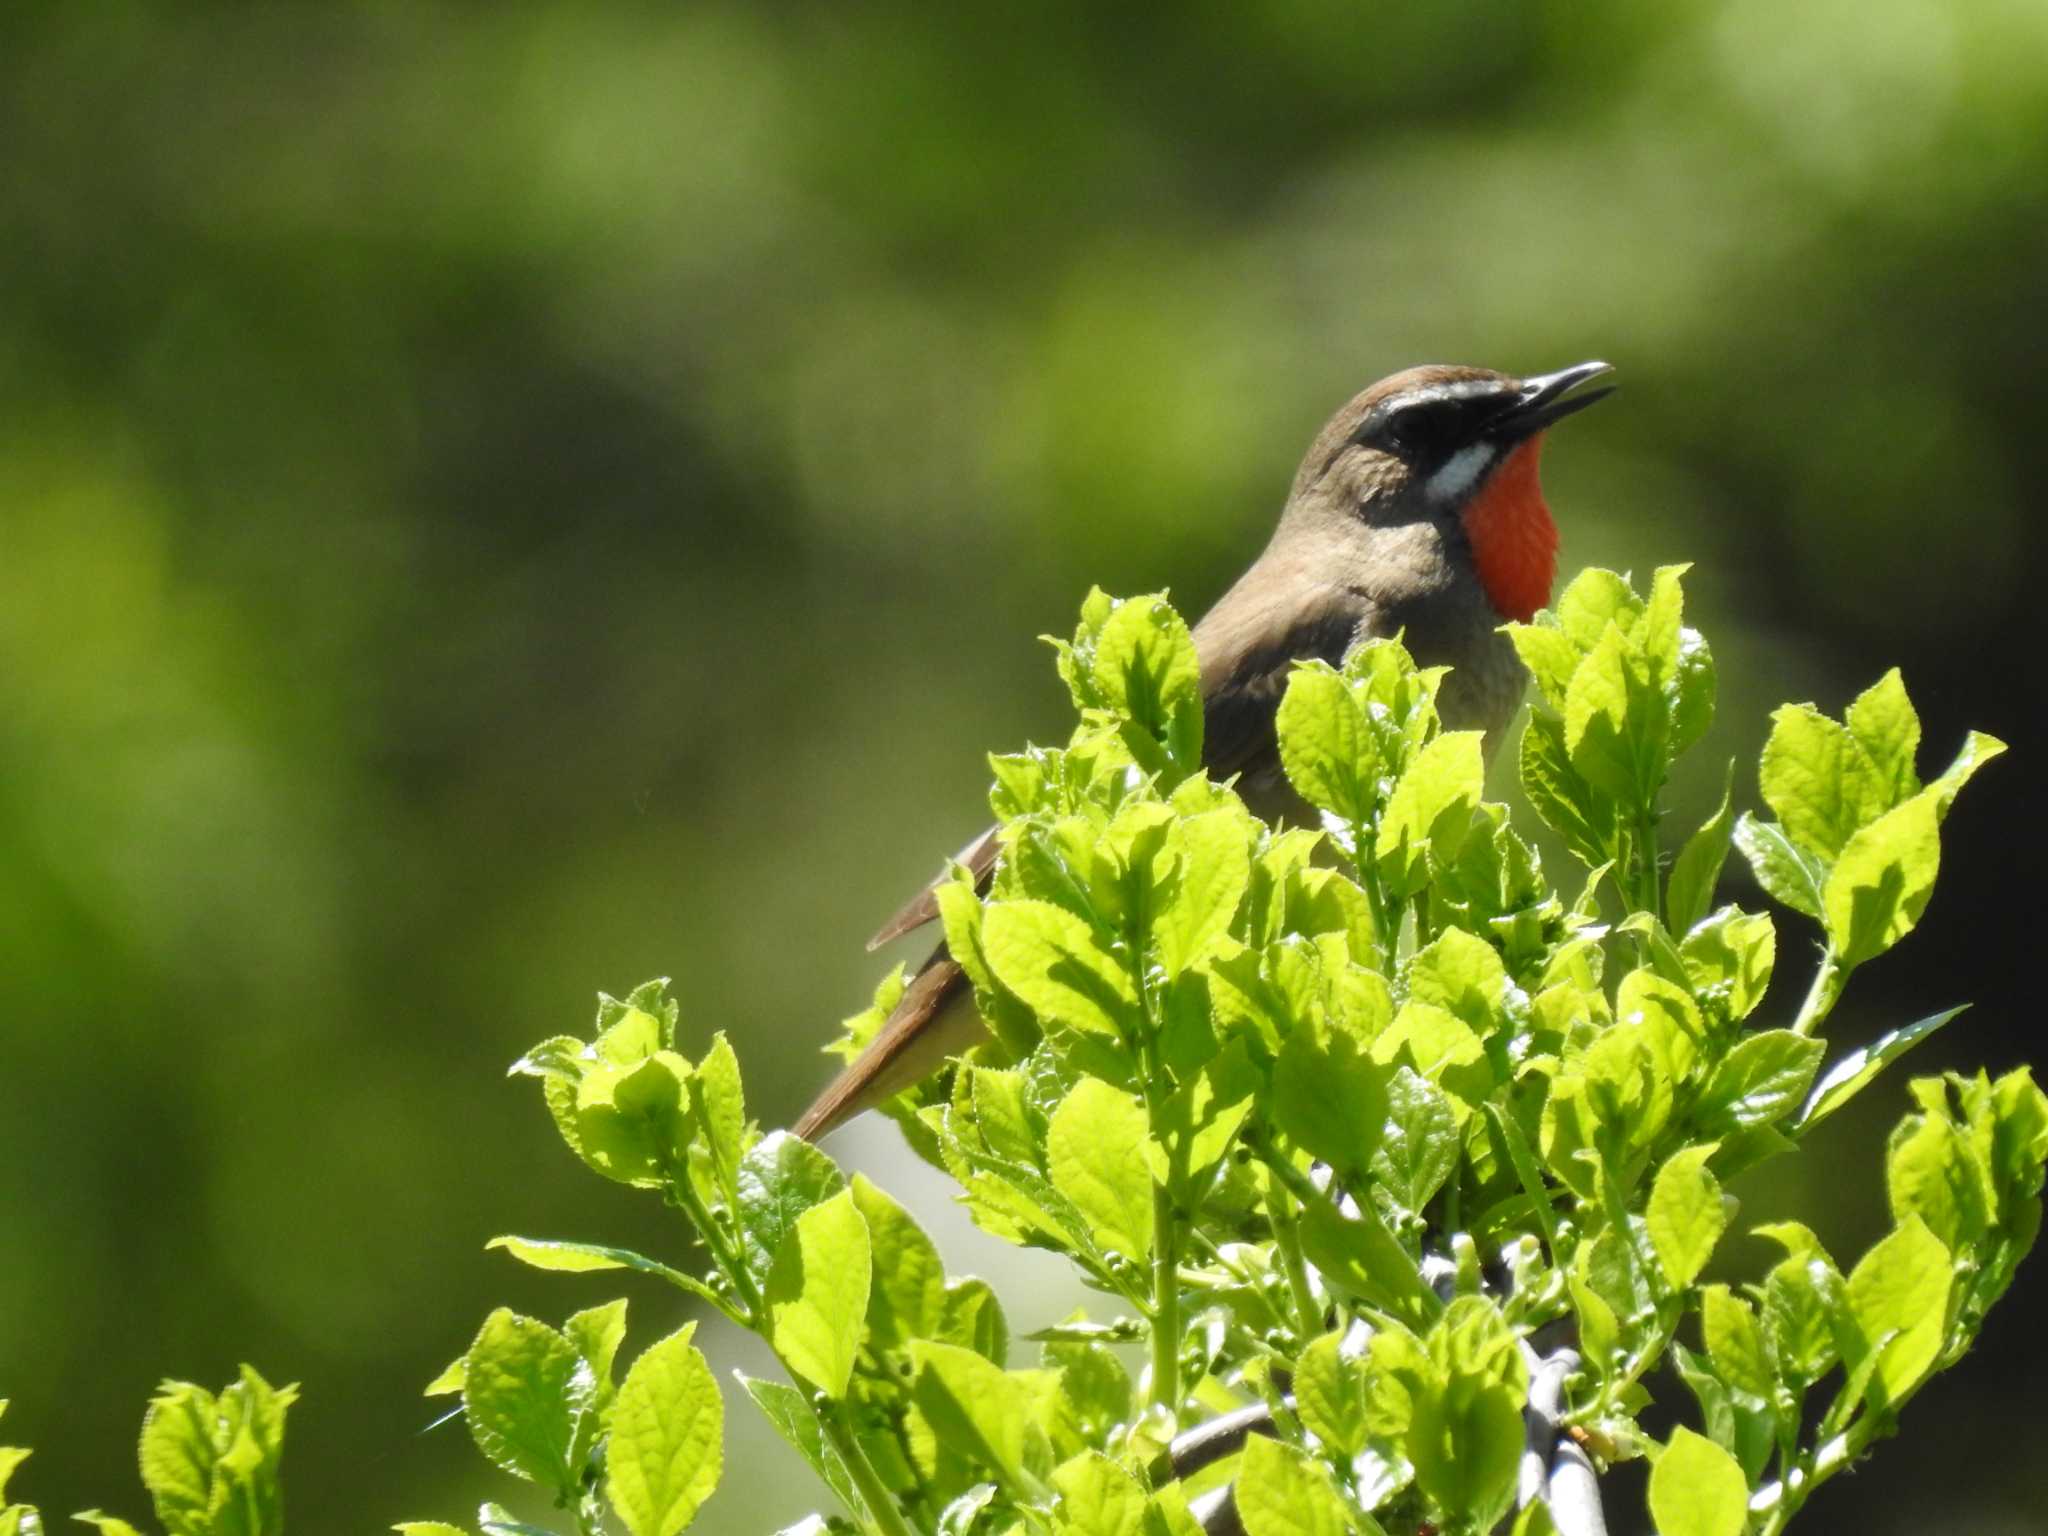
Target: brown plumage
[1415, 511]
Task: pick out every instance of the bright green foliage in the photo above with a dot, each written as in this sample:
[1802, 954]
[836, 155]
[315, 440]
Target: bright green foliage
[209, 1460]
[1332, 1117]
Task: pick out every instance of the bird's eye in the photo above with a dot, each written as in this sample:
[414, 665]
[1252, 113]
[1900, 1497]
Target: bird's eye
[1421, 429]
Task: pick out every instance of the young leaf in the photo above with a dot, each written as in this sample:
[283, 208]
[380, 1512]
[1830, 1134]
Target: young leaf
[1898, 1303]
[1430, 811]
[1213, 867]
[1095, 1152]
[1550, 657]
[1854, 1072]
[1880, 885]
[1818, 780]
[1363, 1256]
[1325, 748]
[1615, 726]
[524, 1396]
[780, 1178]
[1145, 668]
[1463, 975]
[1329, 1394]
[1685, 1214]
[1565, 802]
[1735, 1345]
[1466, 1437]
[1759, 1082]
[1419, 1147]
[817, 1293]
[907, 1299]
[1787, 872]
[1887, 728]
[1049, 958]
[1936, 1170]
[1280, 1492]
[976, 1406]
[1099, 1497]
[790, 1412]
[1696, 1489]
[666, 1448]
[1329, 1095]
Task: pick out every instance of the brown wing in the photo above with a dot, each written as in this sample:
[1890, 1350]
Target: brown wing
[935, 1018]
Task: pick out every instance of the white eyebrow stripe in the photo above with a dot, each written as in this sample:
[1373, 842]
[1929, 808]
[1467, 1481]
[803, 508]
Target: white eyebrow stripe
[1460, 472]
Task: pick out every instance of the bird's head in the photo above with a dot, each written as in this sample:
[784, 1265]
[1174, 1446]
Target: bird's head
[1456, 447]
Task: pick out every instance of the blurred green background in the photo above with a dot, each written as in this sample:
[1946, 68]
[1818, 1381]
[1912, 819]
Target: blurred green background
[502, 502]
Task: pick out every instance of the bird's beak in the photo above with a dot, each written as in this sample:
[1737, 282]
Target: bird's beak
[1547, 399]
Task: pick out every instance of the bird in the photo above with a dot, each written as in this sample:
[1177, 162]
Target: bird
[1417, 511]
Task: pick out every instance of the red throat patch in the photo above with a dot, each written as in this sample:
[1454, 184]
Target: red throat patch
[1514, 542]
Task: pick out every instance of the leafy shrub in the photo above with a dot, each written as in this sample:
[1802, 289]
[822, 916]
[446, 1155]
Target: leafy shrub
[1389, 1161]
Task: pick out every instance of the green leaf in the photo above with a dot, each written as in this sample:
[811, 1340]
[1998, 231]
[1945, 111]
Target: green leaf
[1564, 801]
[1735, 1345]
[1729, 958]
[719, 1102]
[1880, 885]
[1213, 868]
[1978, 749]
[1363, 1256]
[1887, 728]
[1937, 1171]
[975, 1406]
[1280, 1492]
[1805, 1307]
[525, 1397]
[1049, 958]
[1614, 722]
[790, 1412]
[1326, 749]
[114, 1525]
[1689, 893]
[666, 1448]
[1898, 1303]
[780, 1178]
[1095, 1153]
[587, 1258]
[1201, 1119]
[1329, 1095]
[1145, 668]
[1685, 1214]
[817, 1293]
[1099, 1497]
[1329, 1394]
[1594, 599]
[1550, 657]
[1430, 811]
[1855, 1071]
[1463, 975]
[1466, 1436]
[1759, 1082]
[1418, 1150]
[907, 1299]
[1696, 1489]
[632, 1119]
[1818, 780]
[596, 1333]
[1786, 871]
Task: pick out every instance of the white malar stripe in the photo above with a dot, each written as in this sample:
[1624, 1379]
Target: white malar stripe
[1461, 472]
